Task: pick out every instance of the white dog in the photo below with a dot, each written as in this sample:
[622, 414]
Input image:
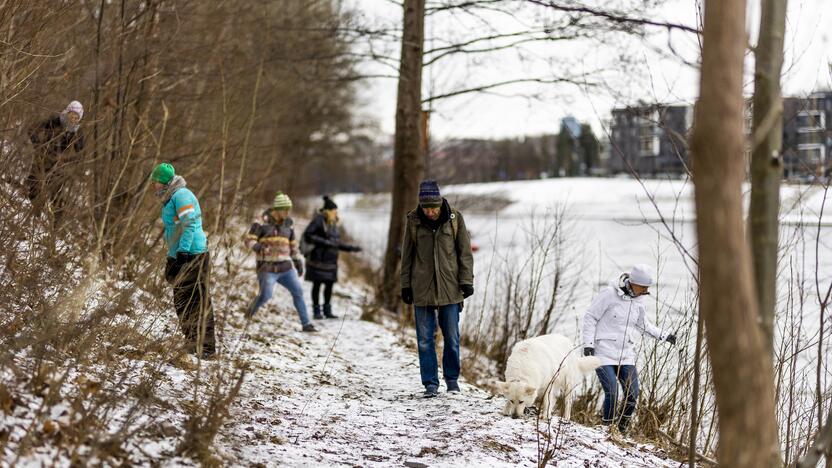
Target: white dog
[533, 365]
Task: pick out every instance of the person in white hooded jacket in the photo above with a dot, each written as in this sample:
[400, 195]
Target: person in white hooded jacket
[616, 314]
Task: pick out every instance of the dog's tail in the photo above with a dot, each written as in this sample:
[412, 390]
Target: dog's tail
[588, 364]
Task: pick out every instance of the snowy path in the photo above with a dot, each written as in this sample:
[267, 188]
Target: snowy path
[350, 396]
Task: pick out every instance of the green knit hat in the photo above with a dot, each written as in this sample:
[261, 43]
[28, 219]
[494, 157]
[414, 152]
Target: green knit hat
[162, 173]
[282, 202]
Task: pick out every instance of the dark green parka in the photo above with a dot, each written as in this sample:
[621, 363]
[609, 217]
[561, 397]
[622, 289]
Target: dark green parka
[436, 262]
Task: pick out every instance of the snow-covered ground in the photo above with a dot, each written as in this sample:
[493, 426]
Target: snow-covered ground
[610, 224]
[347, 396]
[351, 396]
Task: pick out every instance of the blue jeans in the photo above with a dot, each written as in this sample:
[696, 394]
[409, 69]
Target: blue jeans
[289, 280]
[425, 328]
[610, 376]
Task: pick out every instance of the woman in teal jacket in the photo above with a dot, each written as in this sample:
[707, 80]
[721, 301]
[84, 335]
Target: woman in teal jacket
[188, 263]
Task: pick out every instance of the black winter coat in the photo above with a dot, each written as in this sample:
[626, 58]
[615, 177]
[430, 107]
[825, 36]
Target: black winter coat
[52, 141]
[322, 261]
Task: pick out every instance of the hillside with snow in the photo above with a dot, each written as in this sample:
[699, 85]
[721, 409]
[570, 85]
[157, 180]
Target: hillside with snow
[349, 395]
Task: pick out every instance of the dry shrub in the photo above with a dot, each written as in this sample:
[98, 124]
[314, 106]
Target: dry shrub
[88, 338]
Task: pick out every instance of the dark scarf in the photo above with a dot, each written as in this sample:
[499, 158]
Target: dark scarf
[444, 216]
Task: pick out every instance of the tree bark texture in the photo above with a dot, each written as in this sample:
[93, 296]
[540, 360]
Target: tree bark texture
[743, 372]
[766, 161]
[408, 151]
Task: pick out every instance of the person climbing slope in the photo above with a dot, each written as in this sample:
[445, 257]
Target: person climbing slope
[188, 266]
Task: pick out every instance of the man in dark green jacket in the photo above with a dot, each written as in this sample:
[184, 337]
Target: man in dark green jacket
[437, 275]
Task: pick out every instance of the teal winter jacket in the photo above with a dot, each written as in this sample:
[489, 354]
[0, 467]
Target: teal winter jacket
[183, 224]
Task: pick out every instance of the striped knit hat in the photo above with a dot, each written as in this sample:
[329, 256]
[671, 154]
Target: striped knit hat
[429, 195]
[282, 202]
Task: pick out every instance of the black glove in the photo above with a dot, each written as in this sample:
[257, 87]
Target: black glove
[467, 290]
[355, 249]
[181, 261]
[171, 269]
[407, 295]
[588, 351]
[299, 267]
[671, 338]
[257, 247]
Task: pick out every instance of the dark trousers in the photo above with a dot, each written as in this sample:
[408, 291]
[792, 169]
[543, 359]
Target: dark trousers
[426, 318]
[192, 300]
[610, 377]
[316, 292]
[46, 187]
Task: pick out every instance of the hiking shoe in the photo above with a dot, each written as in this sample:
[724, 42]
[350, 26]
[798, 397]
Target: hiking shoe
[624, 425]
[453, 387]
[316, 313]
[430, 392]
[328, 312]
[309, 328]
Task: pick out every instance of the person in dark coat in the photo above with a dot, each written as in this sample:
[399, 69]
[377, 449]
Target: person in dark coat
[57, 140]
[322, 261]
[437, 275]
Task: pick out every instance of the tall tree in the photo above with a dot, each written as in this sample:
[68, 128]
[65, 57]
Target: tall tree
[766, 161]
[408, 148]
[743, 373]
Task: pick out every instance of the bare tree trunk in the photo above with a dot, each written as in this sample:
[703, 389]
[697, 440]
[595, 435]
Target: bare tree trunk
[694, 404]
[743, 372]
[408, 156]
[766, 163]
[98, 176]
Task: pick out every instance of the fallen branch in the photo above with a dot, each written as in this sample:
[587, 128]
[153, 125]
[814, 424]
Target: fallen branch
[701, 457]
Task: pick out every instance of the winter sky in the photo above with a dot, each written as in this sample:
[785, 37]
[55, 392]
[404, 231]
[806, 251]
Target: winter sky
[508, 111]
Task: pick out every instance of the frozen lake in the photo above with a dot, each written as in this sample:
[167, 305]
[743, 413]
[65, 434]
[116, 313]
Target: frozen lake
[609, 225]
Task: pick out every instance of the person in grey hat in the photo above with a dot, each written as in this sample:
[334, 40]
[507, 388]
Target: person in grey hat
[615, 314]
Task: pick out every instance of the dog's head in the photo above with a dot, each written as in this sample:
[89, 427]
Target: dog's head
[519, 396]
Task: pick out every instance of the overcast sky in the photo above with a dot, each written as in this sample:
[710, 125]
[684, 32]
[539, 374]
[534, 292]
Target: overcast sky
[507, 111]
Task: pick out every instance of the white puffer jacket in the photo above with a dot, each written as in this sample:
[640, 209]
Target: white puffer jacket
[609, 325]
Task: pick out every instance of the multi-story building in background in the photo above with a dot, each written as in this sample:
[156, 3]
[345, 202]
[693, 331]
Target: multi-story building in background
[807, 135]
[649, 139]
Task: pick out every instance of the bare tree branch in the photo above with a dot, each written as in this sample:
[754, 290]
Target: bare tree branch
[477, 89]
[822, 446]
[614, 17]
[460, 48]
